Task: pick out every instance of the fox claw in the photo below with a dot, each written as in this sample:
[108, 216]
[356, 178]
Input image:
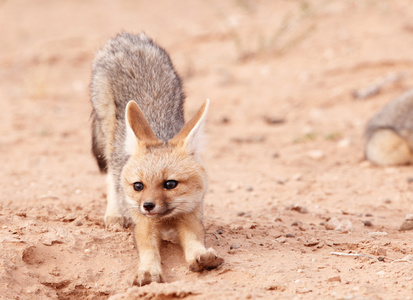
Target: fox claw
[146, 277]
[206, 261]
[116, 222]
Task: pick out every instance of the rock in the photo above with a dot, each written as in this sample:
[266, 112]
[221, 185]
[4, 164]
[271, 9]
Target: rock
[296, 223]
[50, 238]
[248, 235]
[234, 246]
[368, 223]
[78, 221]
[273, 120]
[275, 287]
[299, 208]
[290, 235]
[250, 226]
[406, 225]
[281, 240]
[379, 251]
[343, 143]
[303, 291]
[235, 227]
[311, 242]
[339, 225]
[334, 279]
[316, 154]
[233, 187]
[377, 234]
[409, 217]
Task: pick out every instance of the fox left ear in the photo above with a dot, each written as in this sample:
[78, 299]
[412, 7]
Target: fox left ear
[191, 136]
[138, 130]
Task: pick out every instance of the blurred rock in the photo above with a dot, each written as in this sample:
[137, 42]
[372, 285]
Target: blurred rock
[343, 225]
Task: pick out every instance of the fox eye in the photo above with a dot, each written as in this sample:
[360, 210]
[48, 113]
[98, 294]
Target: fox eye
[170, 184]
[138, 186]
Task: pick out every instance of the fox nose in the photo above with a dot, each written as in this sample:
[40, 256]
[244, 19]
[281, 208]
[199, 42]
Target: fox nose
[148, 206]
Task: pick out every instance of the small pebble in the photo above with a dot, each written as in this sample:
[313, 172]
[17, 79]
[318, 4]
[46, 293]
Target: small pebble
[290, 235]
[334, 279]
[236, 227]
[311, 242]
[406, 225]
[299, 208]
[377, 234]
[225, 120]
[78, 222]
[368, 223]
[248, 235]
[379, 251]
[273, 120]
[296, 223]
[234, 246]
[316, 154]
[343, 225]
[409, 217]
[343, 143]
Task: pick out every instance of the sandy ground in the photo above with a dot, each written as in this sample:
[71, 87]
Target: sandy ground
[288, 183]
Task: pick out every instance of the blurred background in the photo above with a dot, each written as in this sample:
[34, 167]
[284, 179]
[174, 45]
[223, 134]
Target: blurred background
[281, 71]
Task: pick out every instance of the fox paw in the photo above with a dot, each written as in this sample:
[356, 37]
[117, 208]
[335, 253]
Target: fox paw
[146, 277]
[116, 222]
[206, 261]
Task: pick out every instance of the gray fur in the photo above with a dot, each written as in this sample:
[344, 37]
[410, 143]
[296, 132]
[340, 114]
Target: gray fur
[132, 67]
[397, 116]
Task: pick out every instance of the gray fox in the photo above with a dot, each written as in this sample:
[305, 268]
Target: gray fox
[156, 180]
[389, 134]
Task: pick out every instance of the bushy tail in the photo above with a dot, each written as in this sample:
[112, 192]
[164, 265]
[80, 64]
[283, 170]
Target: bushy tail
[98, 144]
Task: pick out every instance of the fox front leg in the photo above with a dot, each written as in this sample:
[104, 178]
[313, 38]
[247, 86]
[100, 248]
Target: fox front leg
[192, 236]
[147, 240]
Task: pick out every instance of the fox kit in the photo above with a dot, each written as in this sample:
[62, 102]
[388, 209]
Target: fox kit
[389, 133]
[156, 180]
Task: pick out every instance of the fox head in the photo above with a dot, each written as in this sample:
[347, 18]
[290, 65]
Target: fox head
[163, 179]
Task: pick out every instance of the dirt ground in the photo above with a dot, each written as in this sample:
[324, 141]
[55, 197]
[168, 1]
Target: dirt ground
[292, 205]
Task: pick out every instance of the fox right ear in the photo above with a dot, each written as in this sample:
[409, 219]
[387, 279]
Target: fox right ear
[191, 136]
[138, 131]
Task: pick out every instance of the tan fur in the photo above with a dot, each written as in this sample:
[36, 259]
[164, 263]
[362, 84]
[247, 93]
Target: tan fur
[140, 138]
[386, 148]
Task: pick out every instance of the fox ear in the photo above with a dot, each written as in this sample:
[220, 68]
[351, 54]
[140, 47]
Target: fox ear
[138, 130]
[191, 136]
